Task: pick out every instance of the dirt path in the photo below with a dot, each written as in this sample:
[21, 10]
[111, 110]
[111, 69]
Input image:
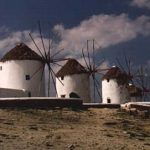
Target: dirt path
[93, 129]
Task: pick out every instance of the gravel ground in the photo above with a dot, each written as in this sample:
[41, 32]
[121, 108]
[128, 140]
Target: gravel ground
[66, 129]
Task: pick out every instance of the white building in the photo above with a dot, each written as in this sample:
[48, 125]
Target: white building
[75, 81]
[114, 87]
[21, 69]
[9, 93]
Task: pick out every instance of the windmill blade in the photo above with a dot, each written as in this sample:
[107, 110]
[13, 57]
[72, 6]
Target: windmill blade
[36, 71]
[118, 61]
[57, 64]
[54, 83]
[49, 49]
[85, 60]
[98, 65]
[93, 76]
[61, 59]
[97, 89]
[93, 56]
[48, 83]
[57, 53]
[101, 70]
[36, 46]
[55, 76]
[40, 30]
[41, 79]
[100, 73]
[99, 94]
[88, 55]
[128, 64]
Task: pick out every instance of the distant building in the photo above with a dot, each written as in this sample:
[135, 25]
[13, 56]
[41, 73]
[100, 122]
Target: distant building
[75, 81]
[136, 93]
[21, 69]
[114, 86]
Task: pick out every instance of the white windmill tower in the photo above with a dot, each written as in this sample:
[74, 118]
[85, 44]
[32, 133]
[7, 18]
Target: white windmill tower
[114, 86]
[18, 71]
[75, 82]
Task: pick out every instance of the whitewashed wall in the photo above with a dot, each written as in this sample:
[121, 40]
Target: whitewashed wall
[5, 93]
[78, 83]
[118, 94]
[13, 75]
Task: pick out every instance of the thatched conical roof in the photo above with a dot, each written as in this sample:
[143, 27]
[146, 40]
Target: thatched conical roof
[118, 74]
[113, 73]
[71, 67]
[21, 52]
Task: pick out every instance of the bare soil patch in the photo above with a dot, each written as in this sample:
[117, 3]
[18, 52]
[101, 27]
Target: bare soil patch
[66, 129]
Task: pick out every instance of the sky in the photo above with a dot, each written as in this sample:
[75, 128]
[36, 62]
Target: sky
[118, 26]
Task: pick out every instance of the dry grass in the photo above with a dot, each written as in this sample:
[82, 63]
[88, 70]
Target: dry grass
[62, 129]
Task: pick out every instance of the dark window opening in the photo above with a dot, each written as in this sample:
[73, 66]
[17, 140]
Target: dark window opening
[29, 94]
[107, 80]
[62, 77]
[63, 96]
[108, 100]
[0, 67]
[27, 77]
[74, 95]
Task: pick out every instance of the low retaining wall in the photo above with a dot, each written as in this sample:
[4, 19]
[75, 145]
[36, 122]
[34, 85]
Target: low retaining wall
[100, 105]
[39, 102]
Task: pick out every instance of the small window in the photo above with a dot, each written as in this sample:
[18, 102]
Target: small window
[62, 77]
[107, 80]
[63, 96]
[0, 67]
[108, 100]
[29, 94]
[27, 77]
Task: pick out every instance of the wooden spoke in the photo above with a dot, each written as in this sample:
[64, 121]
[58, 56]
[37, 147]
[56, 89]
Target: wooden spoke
[56, 53]
[37, 71]
[36, 46]
[85, 60]
[40, 30]
[54, 83]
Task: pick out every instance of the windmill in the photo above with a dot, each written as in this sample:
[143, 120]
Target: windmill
[139, 78]
[143, 80]
[127, 68]
[92, 68]
[48, 58]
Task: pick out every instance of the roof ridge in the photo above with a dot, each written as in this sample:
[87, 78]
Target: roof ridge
[71, 67]
[21, 52]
